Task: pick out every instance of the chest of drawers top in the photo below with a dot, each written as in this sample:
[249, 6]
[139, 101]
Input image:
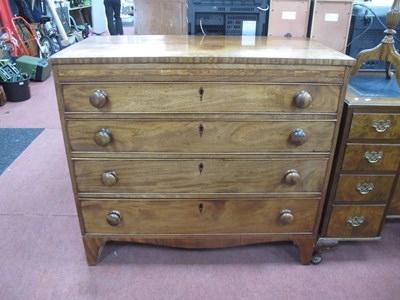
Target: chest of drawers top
[121, 51]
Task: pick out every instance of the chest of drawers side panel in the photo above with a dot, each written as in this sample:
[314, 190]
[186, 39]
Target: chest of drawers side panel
[333, 181]
[61, 110]
[394, 208]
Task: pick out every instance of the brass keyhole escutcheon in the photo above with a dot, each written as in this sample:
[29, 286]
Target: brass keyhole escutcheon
[201, 93]
[201, 168]
[201, 207]
[201, 130]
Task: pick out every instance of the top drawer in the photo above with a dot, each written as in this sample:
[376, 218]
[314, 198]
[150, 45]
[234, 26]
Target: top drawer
[375, 126]
[199, 97]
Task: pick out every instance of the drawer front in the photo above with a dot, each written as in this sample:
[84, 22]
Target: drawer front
[370, 157]
[198, 136]
[375, 126]
[200, 176]
[199, 217]
[365, 188]
[355, 221]
[197, 97]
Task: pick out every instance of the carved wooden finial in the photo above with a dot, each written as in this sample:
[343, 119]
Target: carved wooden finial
[385, 50]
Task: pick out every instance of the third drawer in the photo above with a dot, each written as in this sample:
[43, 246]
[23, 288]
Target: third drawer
[364, 188]
[200, 176]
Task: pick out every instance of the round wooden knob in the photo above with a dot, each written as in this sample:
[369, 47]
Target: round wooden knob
[286, 217]
[298, 136]
[109, 178]
[103, 137]
[302, 99]
[98, 98]
[114, 218]
[292, 177]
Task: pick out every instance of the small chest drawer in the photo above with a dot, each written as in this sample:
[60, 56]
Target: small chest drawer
[370, 157]
[364, 188]
[199, 136]
[199, 97]
[355, 221]
[200, 176]
[199, 217]
[375, 126]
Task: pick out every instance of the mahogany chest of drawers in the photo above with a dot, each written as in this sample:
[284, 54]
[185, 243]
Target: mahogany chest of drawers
[366, 170]
[199, 142]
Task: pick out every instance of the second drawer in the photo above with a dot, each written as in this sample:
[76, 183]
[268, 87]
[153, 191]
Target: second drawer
[371, 157]
[199, 136]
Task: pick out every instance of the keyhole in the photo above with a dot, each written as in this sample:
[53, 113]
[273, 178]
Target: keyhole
[201, 167]
[201, 207]
[201, 130]
[201, 93]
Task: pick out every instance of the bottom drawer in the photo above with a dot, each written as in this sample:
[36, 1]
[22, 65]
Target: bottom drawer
[348, 221]
[199, 217]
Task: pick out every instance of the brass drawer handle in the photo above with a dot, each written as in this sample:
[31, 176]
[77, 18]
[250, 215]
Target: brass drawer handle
[103, 137]
[298, 136]
[355, 221]
[364, 188]
[373, 157]
[302, 99]
[109, 178]
[286, 217]
[380, 125]
[98, 98]
[292, 177]
[114, 218]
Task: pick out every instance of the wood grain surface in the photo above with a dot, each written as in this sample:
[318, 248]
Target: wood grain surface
[216, 176]
[185, 97]
[340, 228]
[185, 217]
[347, 188]
[184, 136]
